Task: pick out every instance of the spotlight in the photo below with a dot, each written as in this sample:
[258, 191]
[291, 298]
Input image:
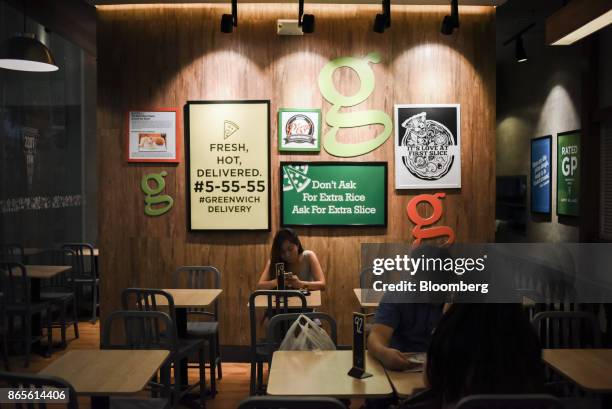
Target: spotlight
[229, 21]
[519, 50]
[451, 22]
[383, 21]
[306, 21]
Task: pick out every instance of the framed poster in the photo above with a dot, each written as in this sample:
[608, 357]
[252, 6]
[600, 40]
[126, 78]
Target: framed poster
[228, 165]
[153, 135]
[427, 146]
[568, 173]
[299, 130]
[333, 193]
[541, 177]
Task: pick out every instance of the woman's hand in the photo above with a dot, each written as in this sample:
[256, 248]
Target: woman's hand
[295, 282]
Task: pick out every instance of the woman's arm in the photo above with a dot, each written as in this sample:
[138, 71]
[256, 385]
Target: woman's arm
[318, 282]
[264, 280]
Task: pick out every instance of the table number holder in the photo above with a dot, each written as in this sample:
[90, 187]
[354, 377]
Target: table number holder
[280, 275]
[359, 342]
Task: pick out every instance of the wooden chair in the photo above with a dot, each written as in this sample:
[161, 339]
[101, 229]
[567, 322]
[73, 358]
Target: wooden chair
[15, 286]
[12, 252]
[277, 303]
[199, 277]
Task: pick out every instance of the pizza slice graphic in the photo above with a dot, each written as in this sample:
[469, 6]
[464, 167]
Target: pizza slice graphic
[294, 177]
[229, 128]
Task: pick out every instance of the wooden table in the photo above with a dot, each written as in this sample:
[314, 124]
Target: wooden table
[191, 298]
[324, 373]
[357, 292]
[591, 369]
[312, 300]
[100, 373]
[406, 383]
[33, 251]
[41, 272]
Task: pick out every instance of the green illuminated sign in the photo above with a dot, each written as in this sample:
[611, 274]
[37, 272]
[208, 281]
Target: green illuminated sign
[334, 194]
[568, 173]
[336, 119]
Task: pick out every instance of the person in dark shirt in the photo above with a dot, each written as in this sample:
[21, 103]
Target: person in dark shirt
[401, 328]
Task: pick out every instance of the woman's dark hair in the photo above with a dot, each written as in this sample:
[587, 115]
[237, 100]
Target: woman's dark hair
[484, 349]
[280, 237]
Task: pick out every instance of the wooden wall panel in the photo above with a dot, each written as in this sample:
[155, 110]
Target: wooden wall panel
[164, 55]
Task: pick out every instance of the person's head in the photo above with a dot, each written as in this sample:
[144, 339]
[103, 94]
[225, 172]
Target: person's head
[484, 349]
[286, 247]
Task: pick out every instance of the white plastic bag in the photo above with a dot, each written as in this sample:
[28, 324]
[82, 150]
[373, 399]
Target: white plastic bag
[305, 335]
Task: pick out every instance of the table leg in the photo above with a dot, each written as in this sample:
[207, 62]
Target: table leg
[36, 319]
[181, 329]
[100, 402]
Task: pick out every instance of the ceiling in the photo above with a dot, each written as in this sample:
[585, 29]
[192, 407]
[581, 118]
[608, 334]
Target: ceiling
[421, 2]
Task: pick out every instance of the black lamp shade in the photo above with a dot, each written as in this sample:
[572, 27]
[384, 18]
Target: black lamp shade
[380, 23]
[308, 23]
[520, 53]
[26, 53]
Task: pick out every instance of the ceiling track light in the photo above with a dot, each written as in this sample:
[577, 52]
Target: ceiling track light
[451, 22]
[23, 52]
[305, 21]
[519, 48]
[229, 21]
[383, 21]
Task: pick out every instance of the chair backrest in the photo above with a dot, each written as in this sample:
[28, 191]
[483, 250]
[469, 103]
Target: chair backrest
[59, 257]
[147, 299]
[199, 277]
[86, 263]
[15, 284]
[535, 401]
[567, 329]
[141, 330]
[279, 324]
[366, 277]
[11, 252]
[277, 303]
[21, 380]
[278, 402]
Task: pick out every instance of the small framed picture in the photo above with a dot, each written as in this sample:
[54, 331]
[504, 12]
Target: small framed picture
[153, 135]
[299, 130]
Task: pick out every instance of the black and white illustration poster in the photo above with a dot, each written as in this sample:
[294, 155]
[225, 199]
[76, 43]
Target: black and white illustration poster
[427, 146]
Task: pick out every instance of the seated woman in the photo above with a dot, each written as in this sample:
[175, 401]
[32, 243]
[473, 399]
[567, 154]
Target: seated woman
[481, 349]
[304, 264]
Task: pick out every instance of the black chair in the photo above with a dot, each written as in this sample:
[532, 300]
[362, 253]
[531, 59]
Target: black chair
[60, 290]
[12, 252]
[278, 325]
[86, 274]
[20, 380]
[4, 333]
[567, 329]
[281, 402]
[143, 330]
[204, 277]
[146, 299]
[17, 293]
[535, 401]
[277, 303]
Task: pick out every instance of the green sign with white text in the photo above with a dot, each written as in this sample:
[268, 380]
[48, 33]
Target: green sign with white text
[568, 173]
[334, 194]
